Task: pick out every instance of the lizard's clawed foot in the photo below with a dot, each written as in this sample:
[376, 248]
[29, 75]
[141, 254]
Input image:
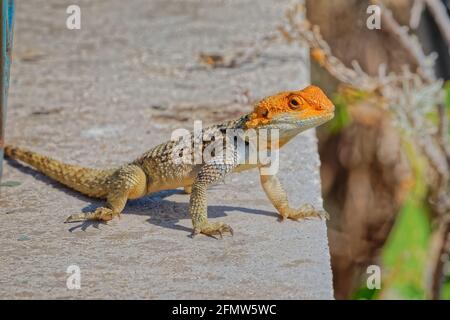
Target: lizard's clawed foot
[212, 229]
[100, 214]
[304, 212]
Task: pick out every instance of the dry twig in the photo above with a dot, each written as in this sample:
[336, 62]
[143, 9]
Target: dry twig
[439, 13]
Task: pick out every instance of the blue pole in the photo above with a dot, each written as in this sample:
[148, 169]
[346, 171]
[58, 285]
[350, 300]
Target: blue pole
[6, 31]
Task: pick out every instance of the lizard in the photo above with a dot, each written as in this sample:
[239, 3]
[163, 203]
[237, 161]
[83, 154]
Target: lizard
[288, 113]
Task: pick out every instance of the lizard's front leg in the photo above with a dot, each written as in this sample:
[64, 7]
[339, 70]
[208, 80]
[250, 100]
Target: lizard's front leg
[278, 197]
[128, 182]
[210, 173]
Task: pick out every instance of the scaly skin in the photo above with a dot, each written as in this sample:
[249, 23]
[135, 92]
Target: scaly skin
[160, 168]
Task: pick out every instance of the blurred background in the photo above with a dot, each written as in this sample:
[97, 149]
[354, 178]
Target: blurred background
[385, 156]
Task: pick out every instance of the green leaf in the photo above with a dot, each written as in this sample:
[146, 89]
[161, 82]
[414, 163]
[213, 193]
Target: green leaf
[346, 97]
[365, 293]
[445, 295]
[405, 253]
[341, 115]
[447, 94]
[447, 100]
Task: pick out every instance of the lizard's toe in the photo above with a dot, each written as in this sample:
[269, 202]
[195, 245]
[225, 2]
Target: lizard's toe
[213, 229]
[103, 214]
[78, 217]
[307, 211]
[100, 214]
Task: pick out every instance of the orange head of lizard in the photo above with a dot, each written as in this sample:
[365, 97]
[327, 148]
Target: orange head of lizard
[292, 112]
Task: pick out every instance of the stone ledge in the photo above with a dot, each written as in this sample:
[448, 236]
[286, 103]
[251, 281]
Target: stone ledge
[97, 97]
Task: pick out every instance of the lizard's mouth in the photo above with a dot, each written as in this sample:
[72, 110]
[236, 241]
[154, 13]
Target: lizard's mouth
[296, 122]
[328, 116]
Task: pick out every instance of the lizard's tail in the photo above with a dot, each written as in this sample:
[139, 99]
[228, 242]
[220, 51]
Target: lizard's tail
[91, 182]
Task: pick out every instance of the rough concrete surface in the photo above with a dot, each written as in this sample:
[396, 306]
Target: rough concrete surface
[102, 95]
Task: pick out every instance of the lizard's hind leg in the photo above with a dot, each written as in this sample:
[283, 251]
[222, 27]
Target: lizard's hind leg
[128, 182]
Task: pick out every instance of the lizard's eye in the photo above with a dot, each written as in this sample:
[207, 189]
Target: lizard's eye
[294, 103]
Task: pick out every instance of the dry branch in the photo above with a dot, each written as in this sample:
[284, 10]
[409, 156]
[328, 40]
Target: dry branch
[439, 13]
